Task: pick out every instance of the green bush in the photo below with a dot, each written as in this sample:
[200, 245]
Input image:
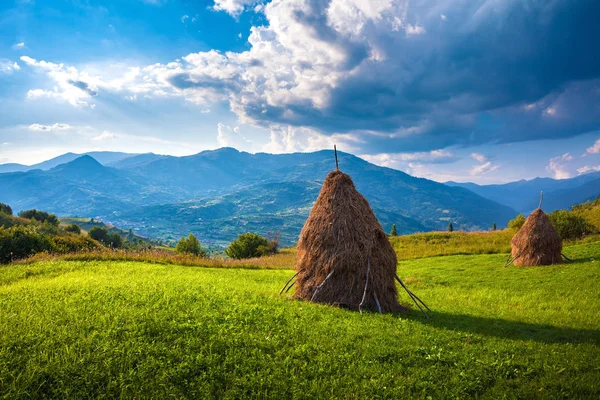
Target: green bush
[190, 245]
[517, 223]
[249, 245]
[5, 208]
[114, 241]
[450, 227]
[40, 216]
[73, 243]
[569, 225]
[393, 232]
[73, 228]
[20, 242]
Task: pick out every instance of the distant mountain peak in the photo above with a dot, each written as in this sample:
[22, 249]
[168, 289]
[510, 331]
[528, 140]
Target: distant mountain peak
[83, 165]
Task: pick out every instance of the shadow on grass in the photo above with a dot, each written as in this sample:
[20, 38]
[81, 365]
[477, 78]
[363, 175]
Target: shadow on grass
[502, 328]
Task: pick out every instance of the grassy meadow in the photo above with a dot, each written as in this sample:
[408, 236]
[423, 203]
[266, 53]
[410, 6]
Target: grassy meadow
[131, 329]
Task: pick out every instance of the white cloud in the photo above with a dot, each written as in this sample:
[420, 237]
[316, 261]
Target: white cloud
[8, 67]
[184, 17]
[479, 157]
[551, 111]
[70, 85]
[48, 128]
[402, 161]
[443, 17]
[233, 7]
[594, 149]
[557, 166]
[588, 168]
[106, 135]
[483, 169]
[231, 137]
[18, 46]
[414, 30]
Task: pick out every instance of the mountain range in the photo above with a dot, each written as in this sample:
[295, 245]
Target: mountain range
[219, 194]
[524, 196]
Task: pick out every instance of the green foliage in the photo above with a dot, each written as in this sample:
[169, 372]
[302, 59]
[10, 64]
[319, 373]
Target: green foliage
[450, 227]
[73, 243]
[517, 223]
[126, 329]
[249, 245]
[393, 232]
[73, 228]
[5, 208]
[494, 226]
[40, 216]
[190, 245]
[21, 241]
[102, 235]
[570, 225]
[590, 211]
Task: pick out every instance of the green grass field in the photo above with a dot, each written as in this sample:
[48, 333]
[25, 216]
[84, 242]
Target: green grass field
[77, 329]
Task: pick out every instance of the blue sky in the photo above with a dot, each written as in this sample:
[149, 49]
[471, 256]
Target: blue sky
[470, 90]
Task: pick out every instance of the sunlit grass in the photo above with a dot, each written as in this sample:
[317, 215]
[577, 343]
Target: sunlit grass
[81, 329]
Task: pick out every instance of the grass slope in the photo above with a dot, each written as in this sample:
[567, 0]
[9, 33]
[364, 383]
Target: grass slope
[125, 329]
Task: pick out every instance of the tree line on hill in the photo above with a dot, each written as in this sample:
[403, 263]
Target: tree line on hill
[581, 221]
[34, 231]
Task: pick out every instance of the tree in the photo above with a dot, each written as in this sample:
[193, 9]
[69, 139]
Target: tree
[450, 227]
[99, 234]
[517, 223]
[249, 245]
[570, 225]
[494, 226]
[190, 245]
[73, 228]
[5, 208]
[40, 216]
[393, 231]
[102, 235]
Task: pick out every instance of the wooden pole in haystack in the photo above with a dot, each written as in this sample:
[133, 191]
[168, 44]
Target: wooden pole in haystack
[337, 168]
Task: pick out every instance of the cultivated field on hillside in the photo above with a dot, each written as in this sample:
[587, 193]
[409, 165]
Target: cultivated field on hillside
[74, 329]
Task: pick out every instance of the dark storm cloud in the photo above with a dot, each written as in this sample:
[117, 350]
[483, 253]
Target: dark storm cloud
[489, 71]
[83, 86]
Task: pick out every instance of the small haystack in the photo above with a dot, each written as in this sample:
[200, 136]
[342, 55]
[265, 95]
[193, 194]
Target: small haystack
[344, 256]
[537, 242]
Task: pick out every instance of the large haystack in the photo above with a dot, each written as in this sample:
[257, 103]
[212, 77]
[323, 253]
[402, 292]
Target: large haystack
[342, 242]
[537, 242]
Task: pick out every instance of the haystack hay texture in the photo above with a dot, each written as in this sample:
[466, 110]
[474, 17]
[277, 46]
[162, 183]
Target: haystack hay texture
[537, 242]
[341, 241]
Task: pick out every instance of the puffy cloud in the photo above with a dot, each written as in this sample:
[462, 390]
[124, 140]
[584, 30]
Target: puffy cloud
[106, 135]
[233, 7]
[18, 46]
[557, 165]
[392, 76]
[594, 149]
[47, 128]
[8, 67]
[70, 84]
[588, 168]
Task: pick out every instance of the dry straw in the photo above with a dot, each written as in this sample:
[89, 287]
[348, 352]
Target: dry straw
[537, 242]
[341, 247]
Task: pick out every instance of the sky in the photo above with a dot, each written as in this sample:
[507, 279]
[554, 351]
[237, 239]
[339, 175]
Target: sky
[486, 91]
